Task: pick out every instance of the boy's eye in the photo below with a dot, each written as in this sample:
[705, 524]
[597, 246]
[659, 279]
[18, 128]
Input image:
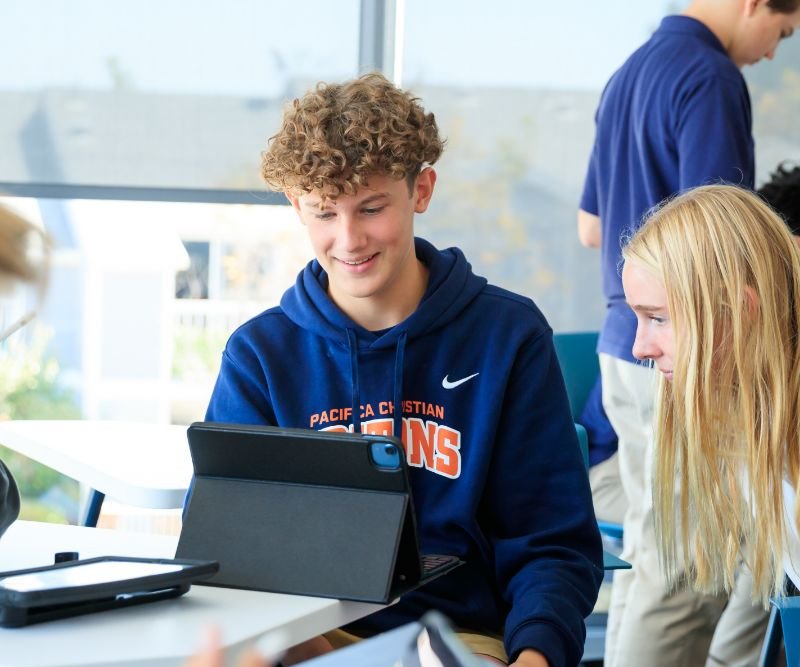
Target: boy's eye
[373, 210]
[325, 215]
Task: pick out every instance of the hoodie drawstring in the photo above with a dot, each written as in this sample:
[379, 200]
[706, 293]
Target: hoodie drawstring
[352, 344]
[397, 395]
[398, 385]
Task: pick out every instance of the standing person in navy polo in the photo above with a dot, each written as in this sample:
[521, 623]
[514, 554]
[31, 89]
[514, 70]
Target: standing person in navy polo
[675, 115]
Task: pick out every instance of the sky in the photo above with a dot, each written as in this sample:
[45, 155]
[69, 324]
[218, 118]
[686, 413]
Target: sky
[249, 47]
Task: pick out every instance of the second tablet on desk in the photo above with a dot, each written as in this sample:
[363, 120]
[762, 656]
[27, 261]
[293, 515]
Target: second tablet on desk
[82, 586]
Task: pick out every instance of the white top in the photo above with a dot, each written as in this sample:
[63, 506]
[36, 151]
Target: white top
[791, 554]
[136, 463]
[791, 559]
[160, 633]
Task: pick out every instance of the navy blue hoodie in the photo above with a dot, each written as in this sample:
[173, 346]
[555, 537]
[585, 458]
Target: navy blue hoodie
[471, 382]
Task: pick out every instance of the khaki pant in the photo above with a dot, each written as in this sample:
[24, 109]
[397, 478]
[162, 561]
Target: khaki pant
[647, 624]
[607, 494]
[741, 629]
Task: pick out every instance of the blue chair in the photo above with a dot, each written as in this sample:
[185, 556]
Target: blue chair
[583, 442]
[580, 367]
[577, 356]
[785, 617]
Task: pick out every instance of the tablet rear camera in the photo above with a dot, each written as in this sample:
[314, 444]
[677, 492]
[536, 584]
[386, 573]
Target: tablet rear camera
[385, 455]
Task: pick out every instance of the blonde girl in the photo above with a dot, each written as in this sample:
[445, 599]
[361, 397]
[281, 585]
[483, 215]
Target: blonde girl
[714, 279]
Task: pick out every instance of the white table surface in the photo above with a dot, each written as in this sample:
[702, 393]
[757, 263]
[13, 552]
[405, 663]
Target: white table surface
[156, 634]
[136, 463]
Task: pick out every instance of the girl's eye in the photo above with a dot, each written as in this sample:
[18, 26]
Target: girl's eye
[657, 320]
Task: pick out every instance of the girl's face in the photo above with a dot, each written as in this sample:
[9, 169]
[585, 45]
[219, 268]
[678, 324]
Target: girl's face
[655, 339]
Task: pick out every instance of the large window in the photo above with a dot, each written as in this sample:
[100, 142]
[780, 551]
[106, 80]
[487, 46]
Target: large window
[160, 94]
[514, 86]
[515, 96]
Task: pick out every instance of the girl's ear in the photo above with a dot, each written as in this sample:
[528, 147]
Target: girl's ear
[751, 300]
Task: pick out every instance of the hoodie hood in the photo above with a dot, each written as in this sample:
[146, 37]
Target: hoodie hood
[451, 288]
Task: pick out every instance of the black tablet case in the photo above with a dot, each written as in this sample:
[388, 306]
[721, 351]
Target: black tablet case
[299, 511]
[27, 607]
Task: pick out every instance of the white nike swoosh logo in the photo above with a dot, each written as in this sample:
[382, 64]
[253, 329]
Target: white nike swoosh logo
[451, 385]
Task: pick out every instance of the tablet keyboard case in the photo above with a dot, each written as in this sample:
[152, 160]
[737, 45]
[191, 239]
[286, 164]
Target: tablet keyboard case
[344, 531]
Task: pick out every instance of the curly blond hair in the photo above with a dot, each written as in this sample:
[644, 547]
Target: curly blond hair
[338, 135]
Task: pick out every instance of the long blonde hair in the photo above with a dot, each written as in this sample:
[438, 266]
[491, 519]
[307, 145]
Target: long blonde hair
[730, 422]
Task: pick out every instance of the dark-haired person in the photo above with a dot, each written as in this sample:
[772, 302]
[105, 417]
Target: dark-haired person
[385, 333]
[782, 192]
[675, 115]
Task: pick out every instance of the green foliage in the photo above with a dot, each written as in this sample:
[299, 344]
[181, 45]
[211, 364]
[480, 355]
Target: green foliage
[197, 353]
[29, 389]
[35, 510]
[33, 479]
[29, 386]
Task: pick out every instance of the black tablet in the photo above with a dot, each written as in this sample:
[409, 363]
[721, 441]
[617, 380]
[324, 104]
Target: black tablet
[82, 586]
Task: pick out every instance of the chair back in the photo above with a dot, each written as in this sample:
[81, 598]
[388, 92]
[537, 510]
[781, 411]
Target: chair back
[784, 623]
[577, 356]
[583, 443]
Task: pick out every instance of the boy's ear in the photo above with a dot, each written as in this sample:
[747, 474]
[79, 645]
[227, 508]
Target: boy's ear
[294, 200]
[750, 6]
[423, 189]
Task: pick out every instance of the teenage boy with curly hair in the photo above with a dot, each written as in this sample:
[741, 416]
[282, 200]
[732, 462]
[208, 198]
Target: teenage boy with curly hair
[384, 333]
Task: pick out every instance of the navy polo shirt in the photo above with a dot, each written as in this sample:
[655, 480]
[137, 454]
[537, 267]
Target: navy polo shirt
[675, 115]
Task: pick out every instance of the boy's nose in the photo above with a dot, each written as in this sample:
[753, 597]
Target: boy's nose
[351, 235]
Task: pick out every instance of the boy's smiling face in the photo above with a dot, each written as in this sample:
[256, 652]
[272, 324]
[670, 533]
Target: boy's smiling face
[365, 243]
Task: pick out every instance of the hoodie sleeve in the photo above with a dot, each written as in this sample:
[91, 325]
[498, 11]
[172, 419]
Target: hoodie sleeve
[547, 547]
[240, 394]
[9, 498]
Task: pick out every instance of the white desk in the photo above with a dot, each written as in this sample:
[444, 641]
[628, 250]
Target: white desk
[157, 634]
[136, 463]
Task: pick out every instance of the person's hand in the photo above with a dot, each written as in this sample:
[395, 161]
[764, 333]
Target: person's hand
[530, 658]
[211, 654]
[311, 648]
